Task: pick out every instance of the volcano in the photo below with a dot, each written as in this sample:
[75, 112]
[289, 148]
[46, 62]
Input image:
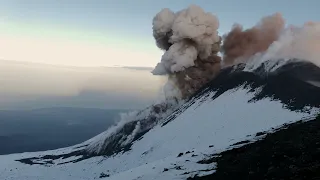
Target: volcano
[257, 124]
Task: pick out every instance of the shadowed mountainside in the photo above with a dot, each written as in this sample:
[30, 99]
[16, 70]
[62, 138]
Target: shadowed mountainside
[282, 85]
[290, 153]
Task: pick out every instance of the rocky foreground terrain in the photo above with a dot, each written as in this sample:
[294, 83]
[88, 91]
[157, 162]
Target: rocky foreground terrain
[290, 153]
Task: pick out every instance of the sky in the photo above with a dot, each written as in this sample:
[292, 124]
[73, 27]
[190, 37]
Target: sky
[78, 38]
[115, 32]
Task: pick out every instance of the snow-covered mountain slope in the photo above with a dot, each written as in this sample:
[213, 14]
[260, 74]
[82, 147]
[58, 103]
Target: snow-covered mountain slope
[169, 142]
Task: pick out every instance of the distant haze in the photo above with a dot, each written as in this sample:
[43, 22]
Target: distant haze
[51, 128]
[30, 85]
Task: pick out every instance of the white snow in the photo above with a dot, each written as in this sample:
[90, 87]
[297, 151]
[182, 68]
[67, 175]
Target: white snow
[315, 83]
[97, 143]
[221, 122]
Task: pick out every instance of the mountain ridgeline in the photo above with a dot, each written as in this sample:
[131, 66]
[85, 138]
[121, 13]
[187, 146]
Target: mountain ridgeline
[244, 122]
[242, 105]
[290, 85]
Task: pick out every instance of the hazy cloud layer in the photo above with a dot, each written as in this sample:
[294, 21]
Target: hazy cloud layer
[23, 83]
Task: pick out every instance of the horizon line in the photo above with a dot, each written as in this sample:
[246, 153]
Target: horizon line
[74, 66]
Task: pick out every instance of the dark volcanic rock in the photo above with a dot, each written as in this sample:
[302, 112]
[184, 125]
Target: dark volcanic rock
[291, 153]
[288, 84]
[103, 175]
[47, 159]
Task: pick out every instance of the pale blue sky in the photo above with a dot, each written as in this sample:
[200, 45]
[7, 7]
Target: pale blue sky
[124, 24]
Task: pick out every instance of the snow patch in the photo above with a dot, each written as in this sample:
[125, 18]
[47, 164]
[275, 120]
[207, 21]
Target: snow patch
[206, 126]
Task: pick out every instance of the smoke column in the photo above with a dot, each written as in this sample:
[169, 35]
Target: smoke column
[191, 42]
[300, 43]
[239, 44]
[270, 41]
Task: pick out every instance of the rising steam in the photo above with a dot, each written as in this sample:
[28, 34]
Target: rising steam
[191, 43]
[301, 43]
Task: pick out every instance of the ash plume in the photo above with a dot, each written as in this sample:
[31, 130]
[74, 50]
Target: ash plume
[239, 44]
[191, 43]
[300, 43]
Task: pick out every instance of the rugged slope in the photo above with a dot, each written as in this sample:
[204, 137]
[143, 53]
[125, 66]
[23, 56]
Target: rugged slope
[171, 143]
[290, 153]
